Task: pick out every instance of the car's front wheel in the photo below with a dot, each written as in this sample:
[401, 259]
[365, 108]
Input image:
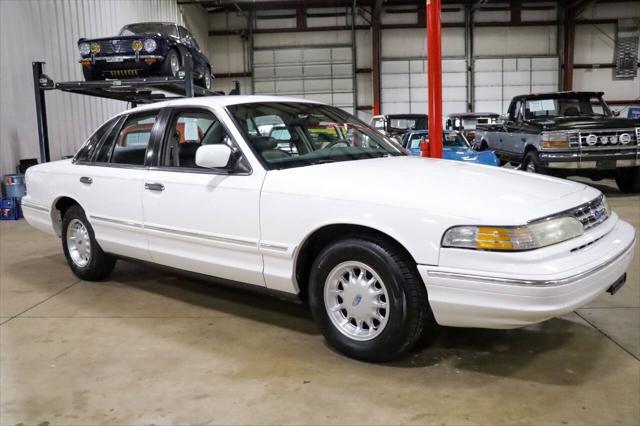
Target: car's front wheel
[531, 162]
[83, 253]
[171, 64]
[368, 299]
[628, 179]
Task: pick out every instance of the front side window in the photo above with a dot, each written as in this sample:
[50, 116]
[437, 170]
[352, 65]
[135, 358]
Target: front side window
[129, 144]
[189, 131]
[317, 134]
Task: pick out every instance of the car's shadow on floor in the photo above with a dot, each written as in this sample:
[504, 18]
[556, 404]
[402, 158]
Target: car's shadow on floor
[569, 348]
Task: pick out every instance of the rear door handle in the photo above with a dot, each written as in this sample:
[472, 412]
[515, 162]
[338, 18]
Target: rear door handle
[86, 180]
[154, 186]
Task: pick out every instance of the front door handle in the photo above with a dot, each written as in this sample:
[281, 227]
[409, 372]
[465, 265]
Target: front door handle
[86, 180]
[154, 186]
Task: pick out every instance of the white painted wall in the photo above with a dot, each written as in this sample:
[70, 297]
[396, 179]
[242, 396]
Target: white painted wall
[48, 30]
[596, 44]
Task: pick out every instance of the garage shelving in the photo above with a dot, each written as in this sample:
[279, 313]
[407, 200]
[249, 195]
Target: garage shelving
[134, 91]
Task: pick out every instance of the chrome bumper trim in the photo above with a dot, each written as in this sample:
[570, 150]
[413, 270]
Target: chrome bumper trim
[130, 224]
[122, 58]
[531, 283]
[590, 164]
[246, 243]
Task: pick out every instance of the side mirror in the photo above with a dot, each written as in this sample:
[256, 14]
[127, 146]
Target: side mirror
[213, 156]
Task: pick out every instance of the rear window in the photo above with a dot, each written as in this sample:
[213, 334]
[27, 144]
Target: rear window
[89, 147]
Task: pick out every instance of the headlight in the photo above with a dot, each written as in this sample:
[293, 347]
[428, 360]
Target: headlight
[95, 47]
[513, 238]
[625, 138]
[555, 140]
[150, 45]
[85, 48]
[136, 45]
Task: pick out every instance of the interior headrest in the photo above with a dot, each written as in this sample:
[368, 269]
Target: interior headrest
[264, 143]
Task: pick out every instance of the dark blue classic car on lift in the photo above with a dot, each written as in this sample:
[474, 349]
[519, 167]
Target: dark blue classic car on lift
[142, 50]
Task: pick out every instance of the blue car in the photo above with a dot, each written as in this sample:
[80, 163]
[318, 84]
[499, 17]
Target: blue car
[455, 147]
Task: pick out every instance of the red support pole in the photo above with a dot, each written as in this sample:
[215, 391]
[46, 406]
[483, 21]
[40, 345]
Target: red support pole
[434, 61]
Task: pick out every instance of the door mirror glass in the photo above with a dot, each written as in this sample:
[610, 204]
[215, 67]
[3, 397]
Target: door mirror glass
[213, 156]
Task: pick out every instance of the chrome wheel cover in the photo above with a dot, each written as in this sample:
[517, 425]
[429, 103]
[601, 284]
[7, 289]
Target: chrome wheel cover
[175, 65]
[356, 300]
[207, 80]
[78, 243]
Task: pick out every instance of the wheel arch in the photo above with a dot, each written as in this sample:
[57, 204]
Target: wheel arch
[58, 208]
[316, 240]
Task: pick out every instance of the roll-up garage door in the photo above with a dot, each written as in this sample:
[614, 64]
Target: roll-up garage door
[404, 86]
[497, 80]
[323, 74]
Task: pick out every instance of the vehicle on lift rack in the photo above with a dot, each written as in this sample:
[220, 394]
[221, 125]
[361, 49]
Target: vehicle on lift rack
[466, 122]
[143, 50]
[383, 246]
[396, 125]
[567, 134]
[454, 147]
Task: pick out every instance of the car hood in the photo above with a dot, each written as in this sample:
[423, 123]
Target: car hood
[589, 123]
[458, 191]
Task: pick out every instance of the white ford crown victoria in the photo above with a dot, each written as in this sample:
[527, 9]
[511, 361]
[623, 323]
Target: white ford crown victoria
[301, 197]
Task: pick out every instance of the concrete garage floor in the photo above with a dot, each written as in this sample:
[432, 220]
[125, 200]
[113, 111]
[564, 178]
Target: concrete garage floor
[151, 347]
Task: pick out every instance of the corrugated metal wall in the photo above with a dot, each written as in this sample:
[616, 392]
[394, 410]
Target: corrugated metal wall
[48, 31]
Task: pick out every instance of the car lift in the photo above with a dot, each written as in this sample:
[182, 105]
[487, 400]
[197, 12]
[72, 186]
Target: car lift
[135, 91]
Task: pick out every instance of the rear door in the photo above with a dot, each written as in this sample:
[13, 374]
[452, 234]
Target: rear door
[198, 219]
[111, 185]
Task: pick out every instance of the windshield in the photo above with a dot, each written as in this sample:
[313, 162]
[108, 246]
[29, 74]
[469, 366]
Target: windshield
[580, 105]
[149, 28]
[408, 123]
[291, 134]
[450, 139]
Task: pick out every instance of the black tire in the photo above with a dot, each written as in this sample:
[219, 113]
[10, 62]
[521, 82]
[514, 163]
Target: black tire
[203, 81]
[628, 180]
[99, 264]
[407, 309]
[166, 65]
[531, 163]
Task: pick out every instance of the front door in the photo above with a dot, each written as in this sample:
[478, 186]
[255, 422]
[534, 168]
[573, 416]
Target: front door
[111, 185]
[198, 219]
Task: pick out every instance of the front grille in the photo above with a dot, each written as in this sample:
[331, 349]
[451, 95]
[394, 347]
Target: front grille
[116, 47]
[123, 73]
[600, 139]
[591, 214]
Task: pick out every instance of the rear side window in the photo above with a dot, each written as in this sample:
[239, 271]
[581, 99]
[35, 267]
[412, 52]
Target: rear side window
[86, 152]
[128, 145]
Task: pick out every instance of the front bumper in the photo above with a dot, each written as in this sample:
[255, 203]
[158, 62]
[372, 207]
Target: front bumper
[594, 160]
[122, 65]
[464, 298]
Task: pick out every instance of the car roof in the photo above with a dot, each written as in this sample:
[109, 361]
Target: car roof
[209, 101]
[564, 94]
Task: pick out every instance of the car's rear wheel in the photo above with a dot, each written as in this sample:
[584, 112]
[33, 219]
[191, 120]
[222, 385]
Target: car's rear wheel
[171, 64]
[628, 179]
[83, 253]
[368, 299]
